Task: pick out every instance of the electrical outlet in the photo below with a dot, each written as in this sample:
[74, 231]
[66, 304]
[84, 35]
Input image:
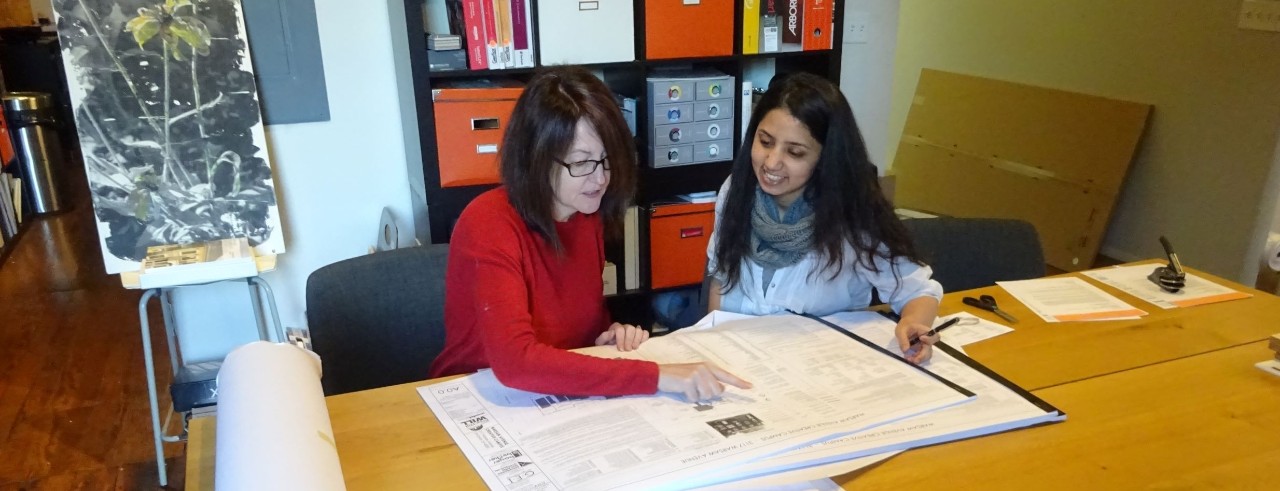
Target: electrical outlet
[1263, 15]
[298, 337]
[856, 29]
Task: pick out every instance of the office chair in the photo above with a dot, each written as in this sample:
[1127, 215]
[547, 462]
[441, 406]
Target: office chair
[968, 253]
[378, 320]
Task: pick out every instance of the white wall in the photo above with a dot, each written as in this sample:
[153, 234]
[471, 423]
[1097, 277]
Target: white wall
[866, 74]
[42, 8]
[1201, 172]
[332, 178]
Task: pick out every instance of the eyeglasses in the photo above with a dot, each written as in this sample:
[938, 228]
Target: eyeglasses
[584, 168]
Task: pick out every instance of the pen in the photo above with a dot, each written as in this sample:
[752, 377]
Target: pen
[936, 330]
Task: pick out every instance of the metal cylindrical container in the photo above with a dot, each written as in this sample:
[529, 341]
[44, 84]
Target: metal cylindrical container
[33, 122]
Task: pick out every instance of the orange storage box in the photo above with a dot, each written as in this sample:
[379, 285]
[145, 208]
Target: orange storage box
[470, 121]
[678, 236]
[688, 28]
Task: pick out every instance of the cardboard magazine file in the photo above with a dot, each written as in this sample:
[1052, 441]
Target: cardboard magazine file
[678, 237]
[471, 117]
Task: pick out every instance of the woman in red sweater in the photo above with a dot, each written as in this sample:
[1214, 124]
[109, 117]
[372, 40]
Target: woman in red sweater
[524, 284]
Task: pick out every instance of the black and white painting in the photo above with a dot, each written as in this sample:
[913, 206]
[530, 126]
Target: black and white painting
[169, 124]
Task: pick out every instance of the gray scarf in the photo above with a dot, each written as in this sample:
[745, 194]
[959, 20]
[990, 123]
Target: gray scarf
[778, 242]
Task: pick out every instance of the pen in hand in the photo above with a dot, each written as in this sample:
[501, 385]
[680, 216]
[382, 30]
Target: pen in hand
[950, 322]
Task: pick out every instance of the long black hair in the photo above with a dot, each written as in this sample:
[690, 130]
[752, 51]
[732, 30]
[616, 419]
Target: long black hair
[542, 129]
[844, 190]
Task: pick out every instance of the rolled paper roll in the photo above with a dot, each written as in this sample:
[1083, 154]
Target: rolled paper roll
[273, 425]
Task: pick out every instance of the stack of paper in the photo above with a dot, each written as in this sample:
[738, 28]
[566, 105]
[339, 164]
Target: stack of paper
[1272, 366]
[825, 392]
[969, 330]
[699, 197]
[1000, 406]
[1133, 280]
[1069, 299]
[443, 42]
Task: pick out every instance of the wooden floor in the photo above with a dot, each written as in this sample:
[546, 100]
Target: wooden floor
[73, 395]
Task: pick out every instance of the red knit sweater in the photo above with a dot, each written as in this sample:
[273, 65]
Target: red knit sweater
[513, 304]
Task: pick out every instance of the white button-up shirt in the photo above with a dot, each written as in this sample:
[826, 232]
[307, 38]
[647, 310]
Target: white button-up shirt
[794, 288]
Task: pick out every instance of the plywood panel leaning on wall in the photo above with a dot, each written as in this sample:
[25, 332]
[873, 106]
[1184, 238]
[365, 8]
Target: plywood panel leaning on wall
[977, 147]
[16, 13]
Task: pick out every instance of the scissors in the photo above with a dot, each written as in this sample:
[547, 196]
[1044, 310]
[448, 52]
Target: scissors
[988, 303]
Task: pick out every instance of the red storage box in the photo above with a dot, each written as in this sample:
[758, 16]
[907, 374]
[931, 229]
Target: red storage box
[470, 122]
[688, 28]
[678, 236]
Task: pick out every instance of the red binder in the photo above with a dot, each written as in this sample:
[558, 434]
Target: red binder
[817, 25]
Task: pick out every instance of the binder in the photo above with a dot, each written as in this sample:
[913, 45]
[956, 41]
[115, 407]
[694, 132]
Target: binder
[522, 30]
[769, 32]
[493, 51]
[750, 27]
[688, 28]
[473, 19]
[791, 23]
[505, 33]
[817, 25]
[631, 249]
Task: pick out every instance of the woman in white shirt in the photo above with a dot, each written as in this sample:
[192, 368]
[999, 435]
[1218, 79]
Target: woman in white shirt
[801, 223]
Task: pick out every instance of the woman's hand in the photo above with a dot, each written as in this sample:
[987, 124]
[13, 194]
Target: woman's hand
[921, 351]
[697, 381]
[626, 336]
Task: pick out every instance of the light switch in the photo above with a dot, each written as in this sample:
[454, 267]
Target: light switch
[856, 29]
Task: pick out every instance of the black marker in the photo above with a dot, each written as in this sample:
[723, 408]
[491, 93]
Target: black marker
[938, 329]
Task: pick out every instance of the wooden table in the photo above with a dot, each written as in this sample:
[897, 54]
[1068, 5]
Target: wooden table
[1210, 421]
[1039, 354]
[1172, 398]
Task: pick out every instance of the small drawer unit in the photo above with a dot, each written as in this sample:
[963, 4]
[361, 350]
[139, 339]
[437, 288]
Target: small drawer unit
[688, 107]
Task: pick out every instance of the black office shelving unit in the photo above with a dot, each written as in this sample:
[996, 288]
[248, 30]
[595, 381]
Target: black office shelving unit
[444, 205]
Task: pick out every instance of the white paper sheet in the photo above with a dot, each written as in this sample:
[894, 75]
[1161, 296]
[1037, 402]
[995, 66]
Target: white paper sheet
[273, 426]
[997, 409]
[970, 329]
[806, 377]
[1069, 299]
[1133, 280]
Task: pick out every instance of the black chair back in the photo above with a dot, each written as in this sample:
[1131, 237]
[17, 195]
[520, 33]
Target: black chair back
[378, 320]
[968, 253]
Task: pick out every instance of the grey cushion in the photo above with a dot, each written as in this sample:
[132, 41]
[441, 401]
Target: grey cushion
[378, 320]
